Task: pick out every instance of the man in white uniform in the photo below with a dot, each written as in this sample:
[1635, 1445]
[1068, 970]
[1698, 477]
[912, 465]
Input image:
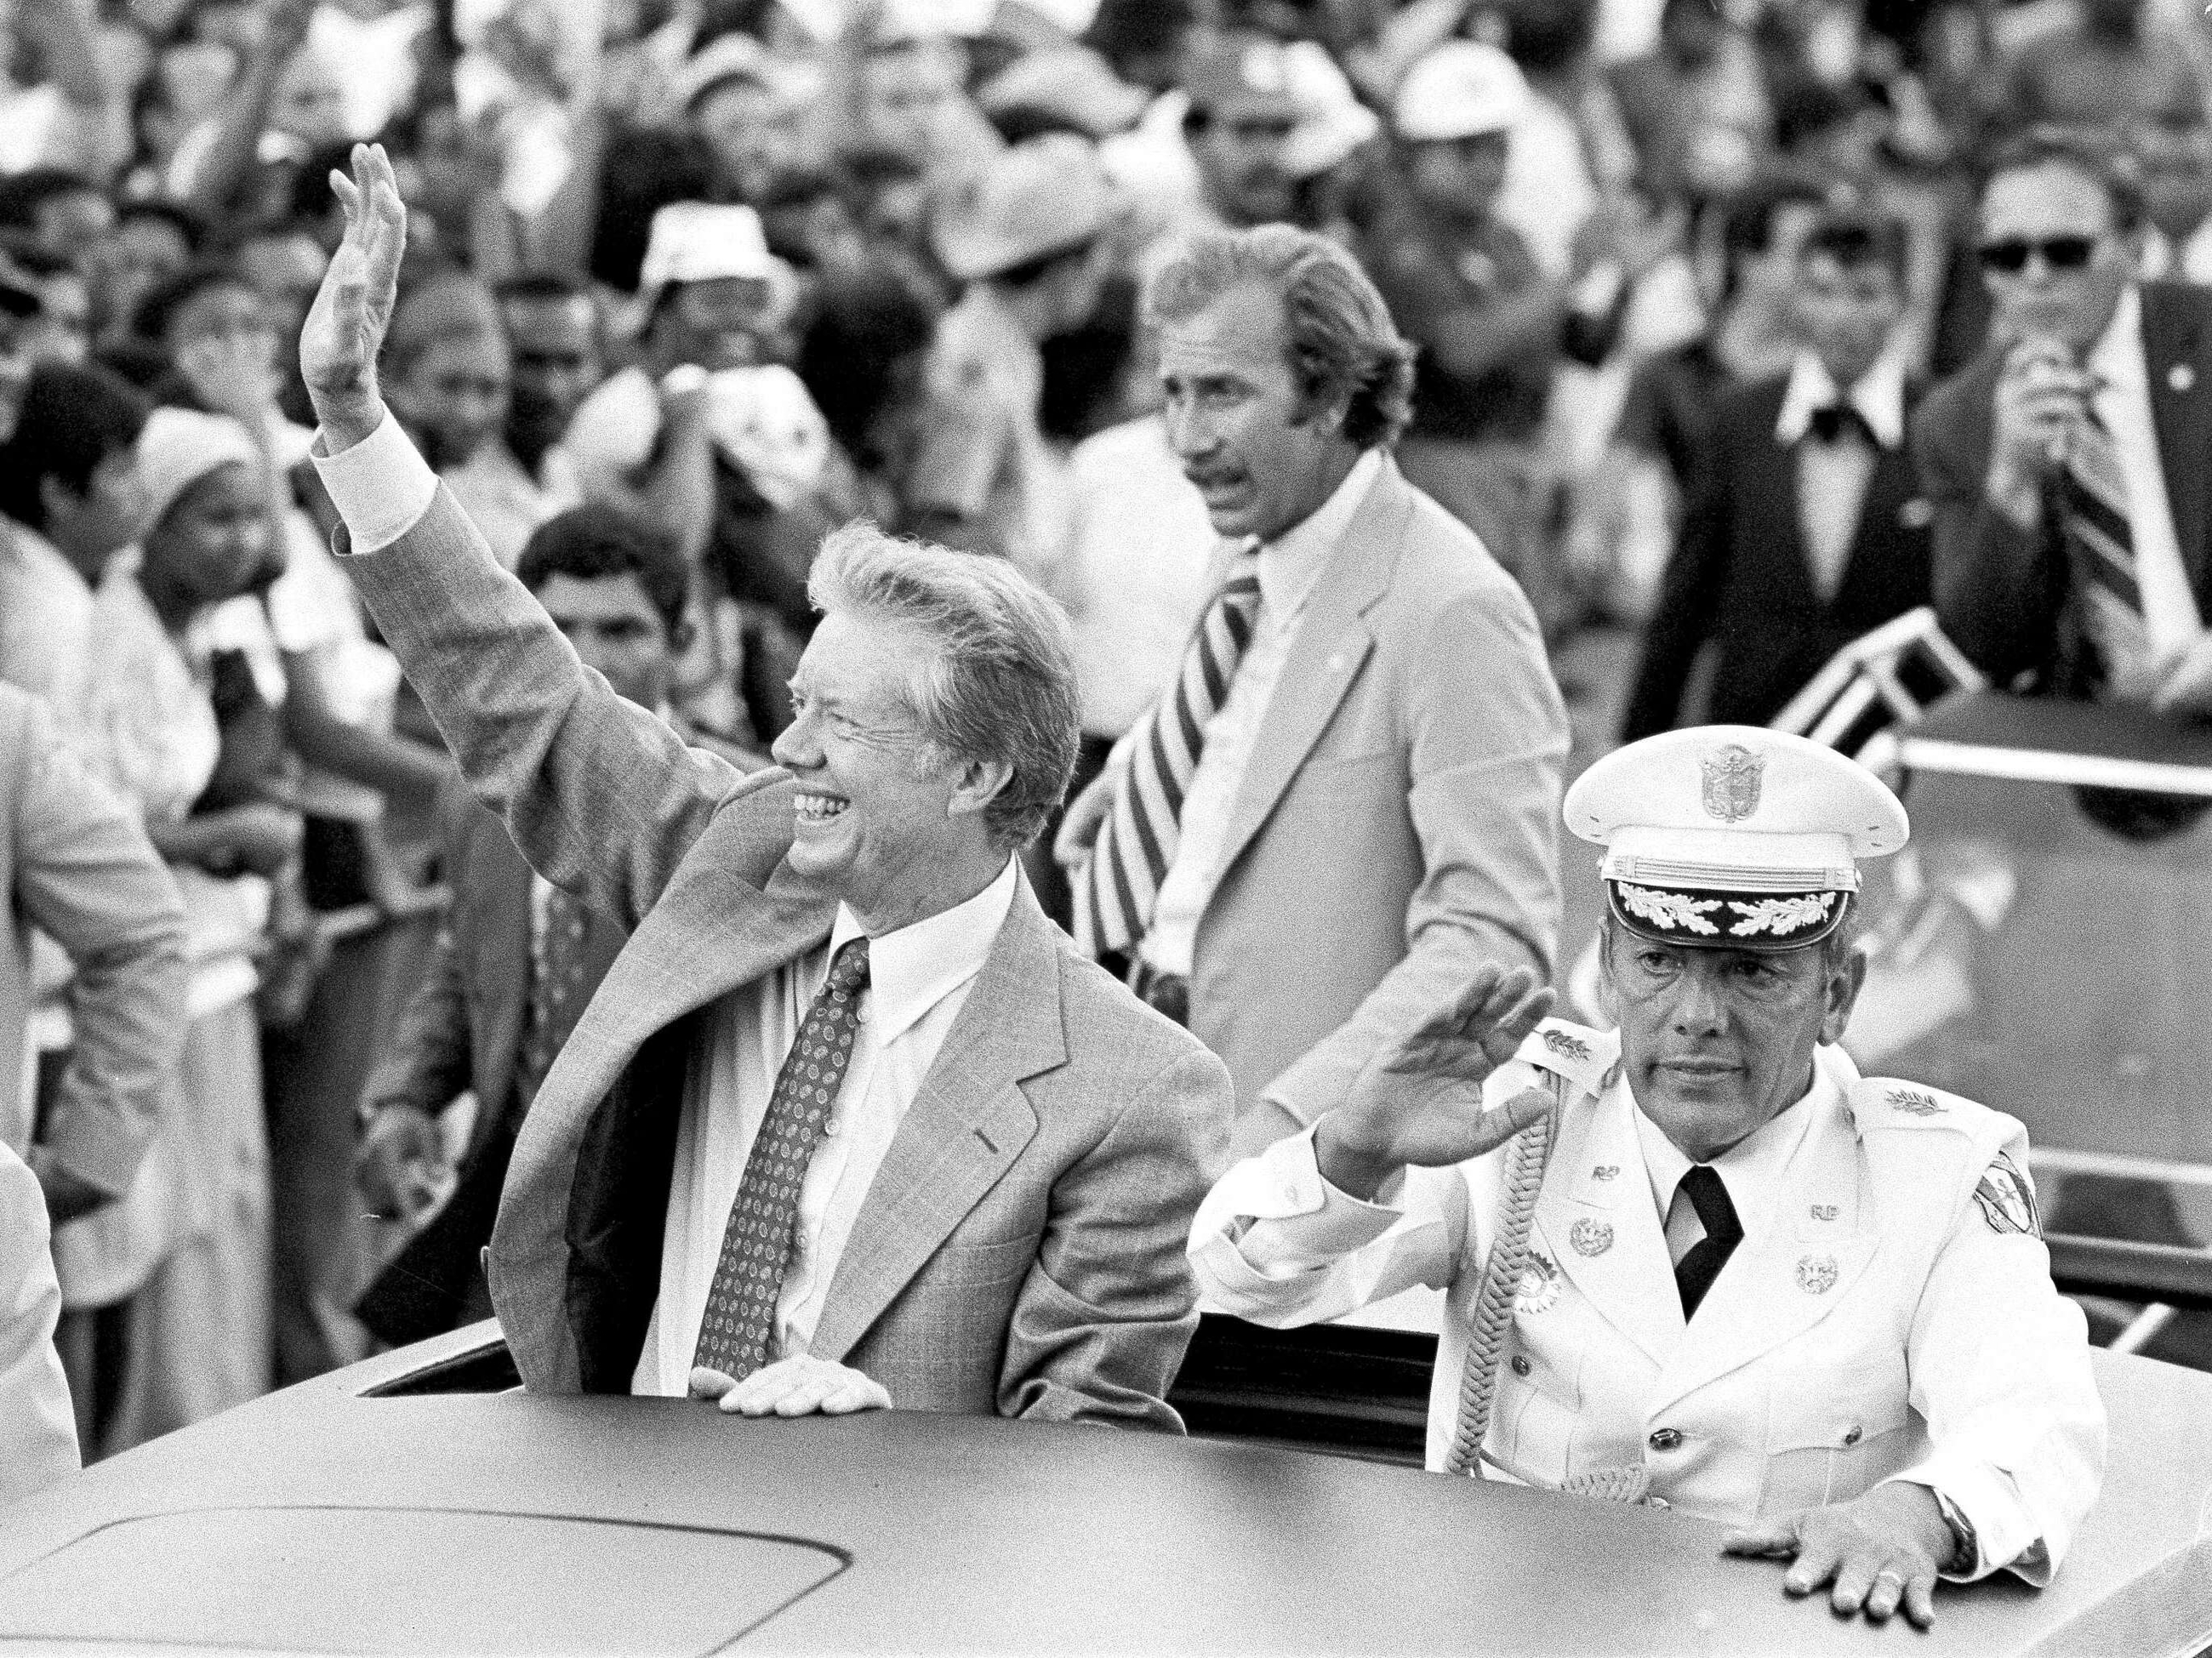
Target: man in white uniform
[1700, 1262]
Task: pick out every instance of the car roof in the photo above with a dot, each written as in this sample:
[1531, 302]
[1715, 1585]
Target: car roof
[325, 1519]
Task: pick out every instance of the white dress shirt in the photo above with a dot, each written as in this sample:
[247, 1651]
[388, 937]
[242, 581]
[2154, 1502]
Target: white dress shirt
[1833, 478]
[2123, 402]
[1751, 1169]
[919, 978]
[1290, 568]
[1137, 565]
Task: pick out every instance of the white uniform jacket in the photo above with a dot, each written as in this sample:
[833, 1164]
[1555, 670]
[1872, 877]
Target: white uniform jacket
[1877, 1321]
[38, 1429]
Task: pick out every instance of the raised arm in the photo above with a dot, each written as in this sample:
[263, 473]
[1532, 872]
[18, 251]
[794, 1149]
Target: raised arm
[601, 797]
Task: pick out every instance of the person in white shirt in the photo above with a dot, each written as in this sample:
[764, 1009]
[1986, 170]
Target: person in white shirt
[1699, 1262]
[1345, 801]
[846, 1124]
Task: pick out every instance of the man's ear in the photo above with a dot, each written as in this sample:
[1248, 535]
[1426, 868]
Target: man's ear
[1842, 994]
[979, 782]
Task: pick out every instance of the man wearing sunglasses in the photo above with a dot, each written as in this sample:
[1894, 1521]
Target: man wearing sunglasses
[2066, 464]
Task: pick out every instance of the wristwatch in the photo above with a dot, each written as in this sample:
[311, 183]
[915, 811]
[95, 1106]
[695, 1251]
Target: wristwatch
[1965, 1547]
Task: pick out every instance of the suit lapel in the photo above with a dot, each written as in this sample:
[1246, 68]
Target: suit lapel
[2179, 371]
[1889, 486]
[1332, 642]
[1596, 1219]
[1799, 1269]
[965, 1128]
[1768, 488]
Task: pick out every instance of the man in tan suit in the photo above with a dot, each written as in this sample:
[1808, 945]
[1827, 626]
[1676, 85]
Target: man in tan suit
[846, 1124]
[1344, 804]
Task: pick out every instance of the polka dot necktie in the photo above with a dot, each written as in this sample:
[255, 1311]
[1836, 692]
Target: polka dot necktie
[736, 1334]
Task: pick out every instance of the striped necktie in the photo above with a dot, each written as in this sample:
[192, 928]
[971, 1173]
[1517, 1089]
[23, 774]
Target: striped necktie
[738, 1334]
[1136, 845]
[2092, 498]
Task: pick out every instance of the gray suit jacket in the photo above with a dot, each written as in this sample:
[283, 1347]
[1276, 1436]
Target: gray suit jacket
[75, 863]
[1021, 1249]
[1398, 823]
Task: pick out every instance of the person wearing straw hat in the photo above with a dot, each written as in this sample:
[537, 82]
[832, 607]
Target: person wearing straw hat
[1025, 232]
[1700, 1262]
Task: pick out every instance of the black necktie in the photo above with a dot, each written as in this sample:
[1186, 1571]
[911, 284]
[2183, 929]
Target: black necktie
[1831, 423]
[1701, 1261]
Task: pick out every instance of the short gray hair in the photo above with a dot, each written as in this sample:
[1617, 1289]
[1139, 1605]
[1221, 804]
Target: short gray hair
[1001, 685]
[1337, 335]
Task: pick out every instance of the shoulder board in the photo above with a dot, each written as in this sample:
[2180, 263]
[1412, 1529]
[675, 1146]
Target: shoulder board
[1581, 1055]
[1887, 1102]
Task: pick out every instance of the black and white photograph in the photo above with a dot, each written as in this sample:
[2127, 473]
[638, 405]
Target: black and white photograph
[1106, 827]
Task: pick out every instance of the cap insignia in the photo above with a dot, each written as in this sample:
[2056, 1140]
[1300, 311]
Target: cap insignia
[1669, 909]
[1733, 775]
[1782, 915]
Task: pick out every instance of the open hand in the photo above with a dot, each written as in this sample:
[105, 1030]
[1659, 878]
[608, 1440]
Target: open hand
[1418, 1100]
[1882, 1551]
[345, 326]
[401, 1166]
[801, 1386]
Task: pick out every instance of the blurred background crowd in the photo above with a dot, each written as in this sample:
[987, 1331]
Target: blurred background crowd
[690, 282]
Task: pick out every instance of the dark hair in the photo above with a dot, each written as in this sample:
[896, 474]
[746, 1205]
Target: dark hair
[592, 542]
[31, 260]
[73, 418]
[1748, 216]
[157, 312]
[2111, 167]
[23, 194]
[167, 213]
[1338, 335]
[542, 287]
[1855, 236]
[867, 319]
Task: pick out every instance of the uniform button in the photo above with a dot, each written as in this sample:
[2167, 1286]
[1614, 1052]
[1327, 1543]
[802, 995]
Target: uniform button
[829, 1127]
[1521, 1365]
[1664, 1439]
[1852, 1435]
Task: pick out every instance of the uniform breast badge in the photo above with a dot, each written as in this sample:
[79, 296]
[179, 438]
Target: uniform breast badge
[1539, 1285]
[1590, 1236]
[1826, 1211]
[1816, 1274]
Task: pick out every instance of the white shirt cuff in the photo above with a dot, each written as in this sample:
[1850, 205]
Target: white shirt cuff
[1304, 1221]
[2005, 1533]
[381, 486]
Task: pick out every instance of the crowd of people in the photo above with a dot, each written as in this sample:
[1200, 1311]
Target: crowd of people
[1239, 403]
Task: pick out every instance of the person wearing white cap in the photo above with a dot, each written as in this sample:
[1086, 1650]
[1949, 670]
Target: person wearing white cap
[187, 1254]
[677, 437]
[1491, 323]
[1026, 233]
[1699, 1262]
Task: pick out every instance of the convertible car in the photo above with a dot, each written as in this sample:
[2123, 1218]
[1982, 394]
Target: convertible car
[414, 1503]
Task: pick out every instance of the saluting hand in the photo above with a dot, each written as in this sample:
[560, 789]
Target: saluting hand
[345, 327]
[1418, 1100]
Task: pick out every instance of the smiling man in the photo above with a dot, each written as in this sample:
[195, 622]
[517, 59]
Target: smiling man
[1344, 802]
[1727, 1274]
[846, 1125]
